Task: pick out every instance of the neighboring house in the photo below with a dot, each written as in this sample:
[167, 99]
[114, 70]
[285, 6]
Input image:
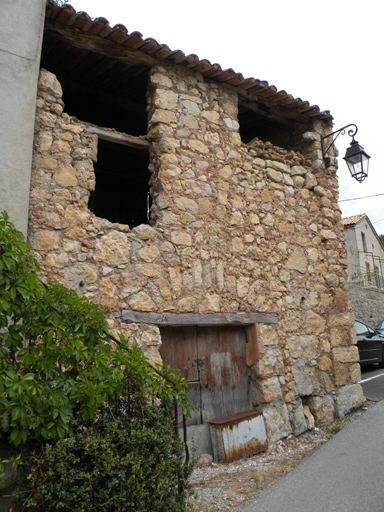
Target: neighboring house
[365, 252]
[195, 204]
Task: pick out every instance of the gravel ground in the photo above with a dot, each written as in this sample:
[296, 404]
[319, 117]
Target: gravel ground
[221, 487]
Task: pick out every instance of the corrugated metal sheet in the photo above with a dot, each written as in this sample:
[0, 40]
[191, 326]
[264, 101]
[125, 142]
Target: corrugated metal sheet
[237, 436]
[75, 60]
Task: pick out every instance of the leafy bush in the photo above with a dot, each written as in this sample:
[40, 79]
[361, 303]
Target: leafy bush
[59, 379]
[119, 462]
[55, 355]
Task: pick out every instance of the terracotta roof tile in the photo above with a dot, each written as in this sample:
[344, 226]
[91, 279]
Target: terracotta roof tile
[259, 90]
[354, 219]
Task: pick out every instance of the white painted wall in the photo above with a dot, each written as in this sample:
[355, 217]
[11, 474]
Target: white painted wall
[359, 256]
[21, 29]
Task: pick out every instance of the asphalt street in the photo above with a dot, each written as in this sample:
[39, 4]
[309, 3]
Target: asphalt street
[372, 381]
[346, 474]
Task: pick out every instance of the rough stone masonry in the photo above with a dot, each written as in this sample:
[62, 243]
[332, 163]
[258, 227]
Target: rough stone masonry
[234, 228]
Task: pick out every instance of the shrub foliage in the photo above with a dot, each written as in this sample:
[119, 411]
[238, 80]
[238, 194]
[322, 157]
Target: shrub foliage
[130, 463]
[99, 415]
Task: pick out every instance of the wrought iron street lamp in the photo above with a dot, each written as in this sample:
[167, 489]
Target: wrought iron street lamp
[357, 159]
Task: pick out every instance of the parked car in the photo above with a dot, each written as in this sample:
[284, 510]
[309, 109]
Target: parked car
[370, 344]
[380, 327]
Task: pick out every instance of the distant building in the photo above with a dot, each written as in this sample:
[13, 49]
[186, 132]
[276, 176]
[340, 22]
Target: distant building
[365, 252]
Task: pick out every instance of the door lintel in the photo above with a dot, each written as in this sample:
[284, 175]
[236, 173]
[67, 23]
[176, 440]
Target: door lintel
[196, 319]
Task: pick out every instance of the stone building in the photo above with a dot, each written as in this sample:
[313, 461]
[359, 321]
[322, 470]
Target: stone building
[195, 204]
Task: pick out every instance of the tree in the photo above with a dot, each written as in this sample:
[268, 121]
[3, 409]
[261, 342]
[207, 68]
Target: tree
[59, 373]
[55, 356]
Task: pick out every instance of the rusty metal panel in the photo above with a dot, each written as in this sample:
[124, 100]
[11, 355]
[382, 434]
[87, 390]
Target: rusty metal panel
[239, 435]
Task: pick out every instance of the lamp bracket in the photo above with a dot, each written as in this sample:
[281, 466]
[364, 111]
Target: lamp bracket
[352, 132]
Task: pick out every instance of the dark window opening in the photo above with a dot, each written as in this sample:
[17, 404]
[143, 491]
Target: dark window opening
[103, 109]
[258, 120]
[98, 89]
[104, 91]
[364, 242]
[122, 184]
[254, 124]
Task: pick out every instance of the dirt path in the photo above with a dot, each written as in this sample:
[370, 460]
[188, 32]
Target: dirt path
[222, 487]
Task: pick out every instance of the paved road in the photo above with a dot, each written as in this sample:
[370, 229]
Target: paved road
[372, 381]
[344, 475]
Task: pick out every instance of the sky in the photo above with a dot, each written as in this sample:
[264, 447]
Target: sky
[328, 53]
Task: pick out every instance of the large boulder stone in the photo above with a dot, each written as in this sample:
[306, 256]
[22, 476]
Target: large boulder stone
[349, 398]
[322, 408]
[306, 378]
[276, 420]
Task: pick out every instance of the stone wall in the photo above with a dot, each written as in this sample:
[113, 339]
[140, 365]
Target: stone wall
[367, 304]
[234, 228]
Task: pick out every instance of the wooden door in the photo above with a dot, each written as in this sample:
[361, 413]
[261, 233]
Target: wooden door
[212, 360]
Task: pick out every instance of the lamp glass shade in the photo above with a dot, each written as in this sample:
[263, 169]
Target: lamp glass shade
[357, 160]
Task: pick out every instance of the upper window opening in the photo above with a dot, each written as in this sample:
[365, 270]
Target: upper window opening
[254, 122]
[122, 184]
[107, 108]
[98, 89]
[364, 242]
[101, 90]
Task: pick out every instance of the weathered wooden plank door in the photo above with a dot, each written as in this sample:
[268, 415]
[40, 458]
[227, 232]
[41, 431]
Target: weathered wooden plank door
[212, 360]
[179, 350]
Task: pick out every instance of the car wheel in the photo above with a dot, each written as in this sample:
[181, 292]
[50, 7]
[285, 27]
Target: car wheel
[381, 364]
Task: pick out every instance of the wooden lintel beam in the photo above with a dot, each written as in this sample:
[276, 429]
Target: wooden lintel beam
[118, 137]
[190, 319]
[97, 44]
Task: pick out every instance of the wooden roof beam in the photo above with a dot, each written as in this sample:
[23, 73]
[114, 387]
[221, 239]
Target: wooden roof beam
[98, 44]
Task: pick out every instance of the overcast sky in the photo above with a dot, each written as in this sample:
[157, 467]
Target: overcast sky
[329, 53]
